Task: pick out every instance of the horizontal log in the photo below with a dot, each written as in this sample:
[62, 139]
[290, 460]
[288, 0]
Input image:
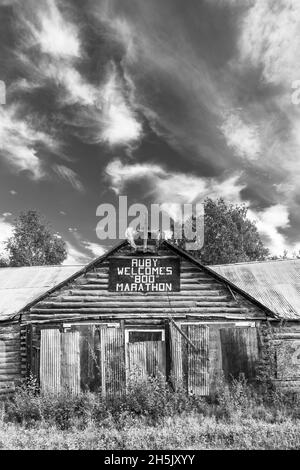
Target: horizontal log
[9, 356]
[6, 392]
[9, 376]
[129, 299]
[137, 310]
[183, 286]
[217, 317]
[287, 335]
[135, 304]
[14, 372]
[184, 294]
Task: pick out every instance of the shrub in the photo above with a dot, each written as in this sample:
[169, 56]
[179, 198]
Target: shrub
[149, 400]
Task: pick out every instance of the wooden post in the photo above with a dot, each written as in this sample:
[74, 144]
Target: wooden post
[168, 350]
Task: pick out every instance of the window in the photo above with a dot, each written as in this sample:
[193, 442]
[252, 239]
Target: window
[137, 336]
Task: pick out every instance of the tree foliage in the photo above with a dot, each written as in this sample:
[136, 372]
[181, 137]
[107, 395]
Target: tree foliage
[229, 236]
[33, 243]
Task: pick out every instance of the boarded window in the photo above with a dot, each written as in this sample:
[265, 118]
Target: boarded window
[288, 359]
[190, 366]
[239, 351]
[136, 336]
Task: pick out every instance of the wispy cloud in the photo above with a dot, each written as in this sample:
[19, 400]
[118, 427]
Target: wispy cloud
[168, 187]
[243, 138]
[270, 222]
[120, 123]
[52, 33]
[270, 38]
[20, 141]
[53, 51]
[69, 175]
[81, 251]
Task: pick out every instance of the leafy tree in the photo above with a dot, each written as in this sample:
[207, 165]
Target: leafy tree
[3, 262]
[33, 243]
[229, 236]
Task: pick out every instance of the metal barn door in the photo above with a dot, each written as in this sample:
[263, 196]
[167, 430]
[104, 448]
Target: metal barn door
[239, 351]
[145, 352]
[59, 361]
[190, 366]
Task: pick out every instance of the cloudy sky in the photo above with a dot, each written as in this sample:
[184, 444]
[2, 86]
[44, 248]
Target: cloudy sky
[162, 101]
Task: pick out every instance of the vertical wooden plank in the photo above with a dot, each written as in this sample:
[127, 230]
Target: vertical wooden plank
[185, 357]
[35, 352]
[215, 357]
[168, 350]
[88, 357]
[70, 361]
[97, 363]
[28, 350]
[103, 336]
[176, 356]
[50, 361]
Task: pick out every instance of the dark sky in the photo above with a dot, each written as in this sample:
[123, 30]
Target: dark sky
[162, 101]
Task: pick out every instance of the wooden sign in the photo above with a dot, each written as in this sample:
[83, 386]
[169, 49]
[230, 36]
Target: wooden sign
[144, 274]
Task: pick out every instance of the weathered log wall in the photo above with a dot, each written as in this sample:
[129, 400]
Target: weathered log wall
[87, 297]
[10, 358]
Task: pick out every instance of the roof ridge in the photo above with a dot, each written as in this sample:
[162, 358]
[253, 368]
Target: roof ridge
[44, 266]
[255, 262]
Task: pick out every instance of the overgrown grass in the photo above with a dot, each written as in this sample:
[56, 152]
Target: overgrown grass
[152, 416]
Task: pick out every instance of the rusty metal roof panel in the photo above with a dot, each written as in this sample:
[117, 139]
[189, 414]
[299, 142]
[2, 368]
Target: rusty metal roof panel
[276, 284]
[19, 286]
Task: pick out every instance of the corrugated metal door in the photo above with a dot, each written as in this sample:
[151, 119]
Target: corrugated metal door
[112, 360]
[59, 361]
[82, 358]
[148, 357]
[50, 361]
[239, 351]
[190, 367]
[198, 361]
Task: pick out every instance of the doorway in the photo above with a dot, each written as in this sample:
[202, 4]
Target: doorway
[145, 352]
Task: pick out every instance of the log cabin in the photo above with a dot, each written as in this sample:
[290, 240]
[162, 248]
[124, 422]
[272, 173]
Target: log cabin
[157, 310]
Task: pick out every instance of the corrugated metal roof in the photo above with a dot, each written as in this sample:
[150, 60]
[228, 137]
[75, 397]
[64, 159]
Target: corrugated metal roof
[276, 284]
[19, 286]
